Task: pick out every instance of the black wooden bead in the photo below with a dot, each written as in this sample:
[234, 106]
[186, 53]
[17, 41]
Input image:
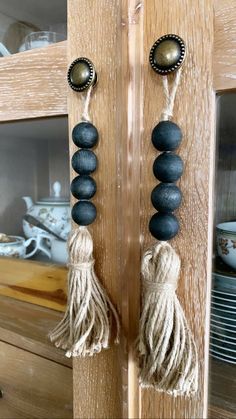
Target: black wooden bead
[84, 213]
[166, 136]
[85, 135]
[163, 226]
[168, 167]
[166, 197]
[83, 187]
[84, 162]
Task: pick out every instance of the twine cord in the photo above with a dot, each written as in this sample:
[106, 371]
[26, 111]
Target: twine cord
[170, 94]
[86, 103]
[86, 327]
[167, 351]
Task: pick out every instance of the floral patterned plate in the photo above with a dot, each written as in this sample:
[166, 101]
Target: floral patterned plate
[226, 242]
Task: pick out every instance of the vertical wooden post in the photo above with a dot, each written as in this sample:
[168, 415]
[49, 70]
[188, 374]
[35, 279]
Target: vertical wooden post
[117, 35]
[93, 32]
[194, 112]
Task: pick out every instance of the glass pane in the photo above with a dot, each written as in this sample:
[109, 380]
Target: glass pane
[34, 185]
[223, 305]
[28, 24]
[36, 377]
[34, 200]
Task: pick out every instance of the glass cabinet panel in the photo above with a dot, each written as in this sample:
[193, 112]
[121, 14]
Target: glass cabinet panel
[32, 25]
[223, 301]
[34, 209]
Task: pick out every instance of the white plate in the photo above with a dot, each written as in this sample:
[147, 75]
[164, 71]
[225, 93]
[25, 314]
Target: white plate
[223, 307]
[224, 293]
[223, 336]
[221, 357]
[225, 301]
[220, 298]
[222, 324]
[219, 350]
[225, 318]
[214, 345]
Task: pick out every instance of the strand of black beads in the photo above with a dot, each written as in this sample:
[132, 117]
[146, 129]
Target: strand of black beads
[167, 168]
[84, 162]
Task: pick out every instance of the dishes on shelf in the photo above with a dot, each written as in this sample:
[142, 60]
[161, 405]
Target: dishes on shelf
[52, 215]
[223, 317]
[16, 246]
[226, 242]
[40, 39]
[4, 51]
[53, 212]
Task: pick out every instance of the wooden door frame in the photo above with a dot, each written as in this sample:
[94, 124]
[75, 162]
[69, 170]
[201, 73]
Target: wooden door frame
[117, 36]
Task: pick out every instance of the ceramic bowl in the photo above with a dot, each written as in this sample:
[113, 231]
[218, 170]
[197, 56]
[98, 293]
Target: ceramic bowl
[17, 247]
[57, 248]
[59, 252]
[226, 242]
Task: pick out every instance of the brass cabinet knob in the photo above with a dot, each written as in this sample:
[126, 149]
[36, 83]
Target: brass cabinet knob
[81, 74]
[167, 54]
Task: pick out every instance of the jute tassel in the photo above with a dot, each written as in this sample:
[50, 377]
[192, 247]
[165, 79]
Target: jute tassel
[86, 326]
[168, 356]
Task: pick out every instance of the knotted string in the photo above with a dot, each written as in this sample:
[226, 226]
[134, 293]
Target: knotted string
[86, 103]
[169, 95]
[168, 355]
[86, 327]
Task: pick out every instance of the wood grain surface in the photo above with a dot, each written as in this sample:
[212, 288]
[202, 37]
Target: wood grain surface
[27, 326]
[222, 388]
[130, 120]
[34, 282]
[215, 412]
[194, 112]
[224, 57]
[33, 387]
[93, 32]
[33, 83]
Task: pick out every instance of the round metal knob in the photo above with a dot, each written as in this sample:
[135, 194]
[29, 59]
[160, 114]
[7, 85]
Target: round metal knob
[167, 54]
[81, 74]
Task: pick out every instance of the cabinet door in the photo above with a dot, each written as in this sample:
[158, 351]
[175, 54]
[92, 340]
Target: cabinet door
[117, 37]
[34, 163]
[222, 367]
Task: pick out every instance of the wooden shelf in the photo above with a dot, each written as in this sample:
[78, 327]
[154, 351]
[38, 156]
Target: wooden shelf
[34, 282]
[33, 83]
[26, 326]
[222, 389]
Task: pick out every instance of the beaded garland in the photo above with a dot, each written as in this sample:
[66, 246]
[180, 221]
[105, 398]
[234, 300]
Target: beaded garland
[167, 351]
[83, 187]
[86, 327]
[168, 167]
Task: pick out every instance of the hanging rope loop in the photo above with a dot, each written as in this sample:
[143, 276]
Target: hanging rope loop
[169, 95]
[86, 103]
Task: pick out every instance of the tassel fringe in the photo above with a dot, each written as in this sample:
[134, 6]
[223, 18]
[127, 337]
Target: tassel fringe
[86, 326]
[168, 355]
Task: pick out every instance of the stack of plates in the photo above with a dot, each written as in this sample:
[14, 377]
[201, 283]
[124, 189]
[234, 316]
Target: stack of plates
[223, 317]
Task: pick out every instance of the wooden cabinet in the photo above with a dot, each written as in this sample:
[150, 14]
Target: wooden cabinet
[35, 101]
[33, 386]
[35, 378]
